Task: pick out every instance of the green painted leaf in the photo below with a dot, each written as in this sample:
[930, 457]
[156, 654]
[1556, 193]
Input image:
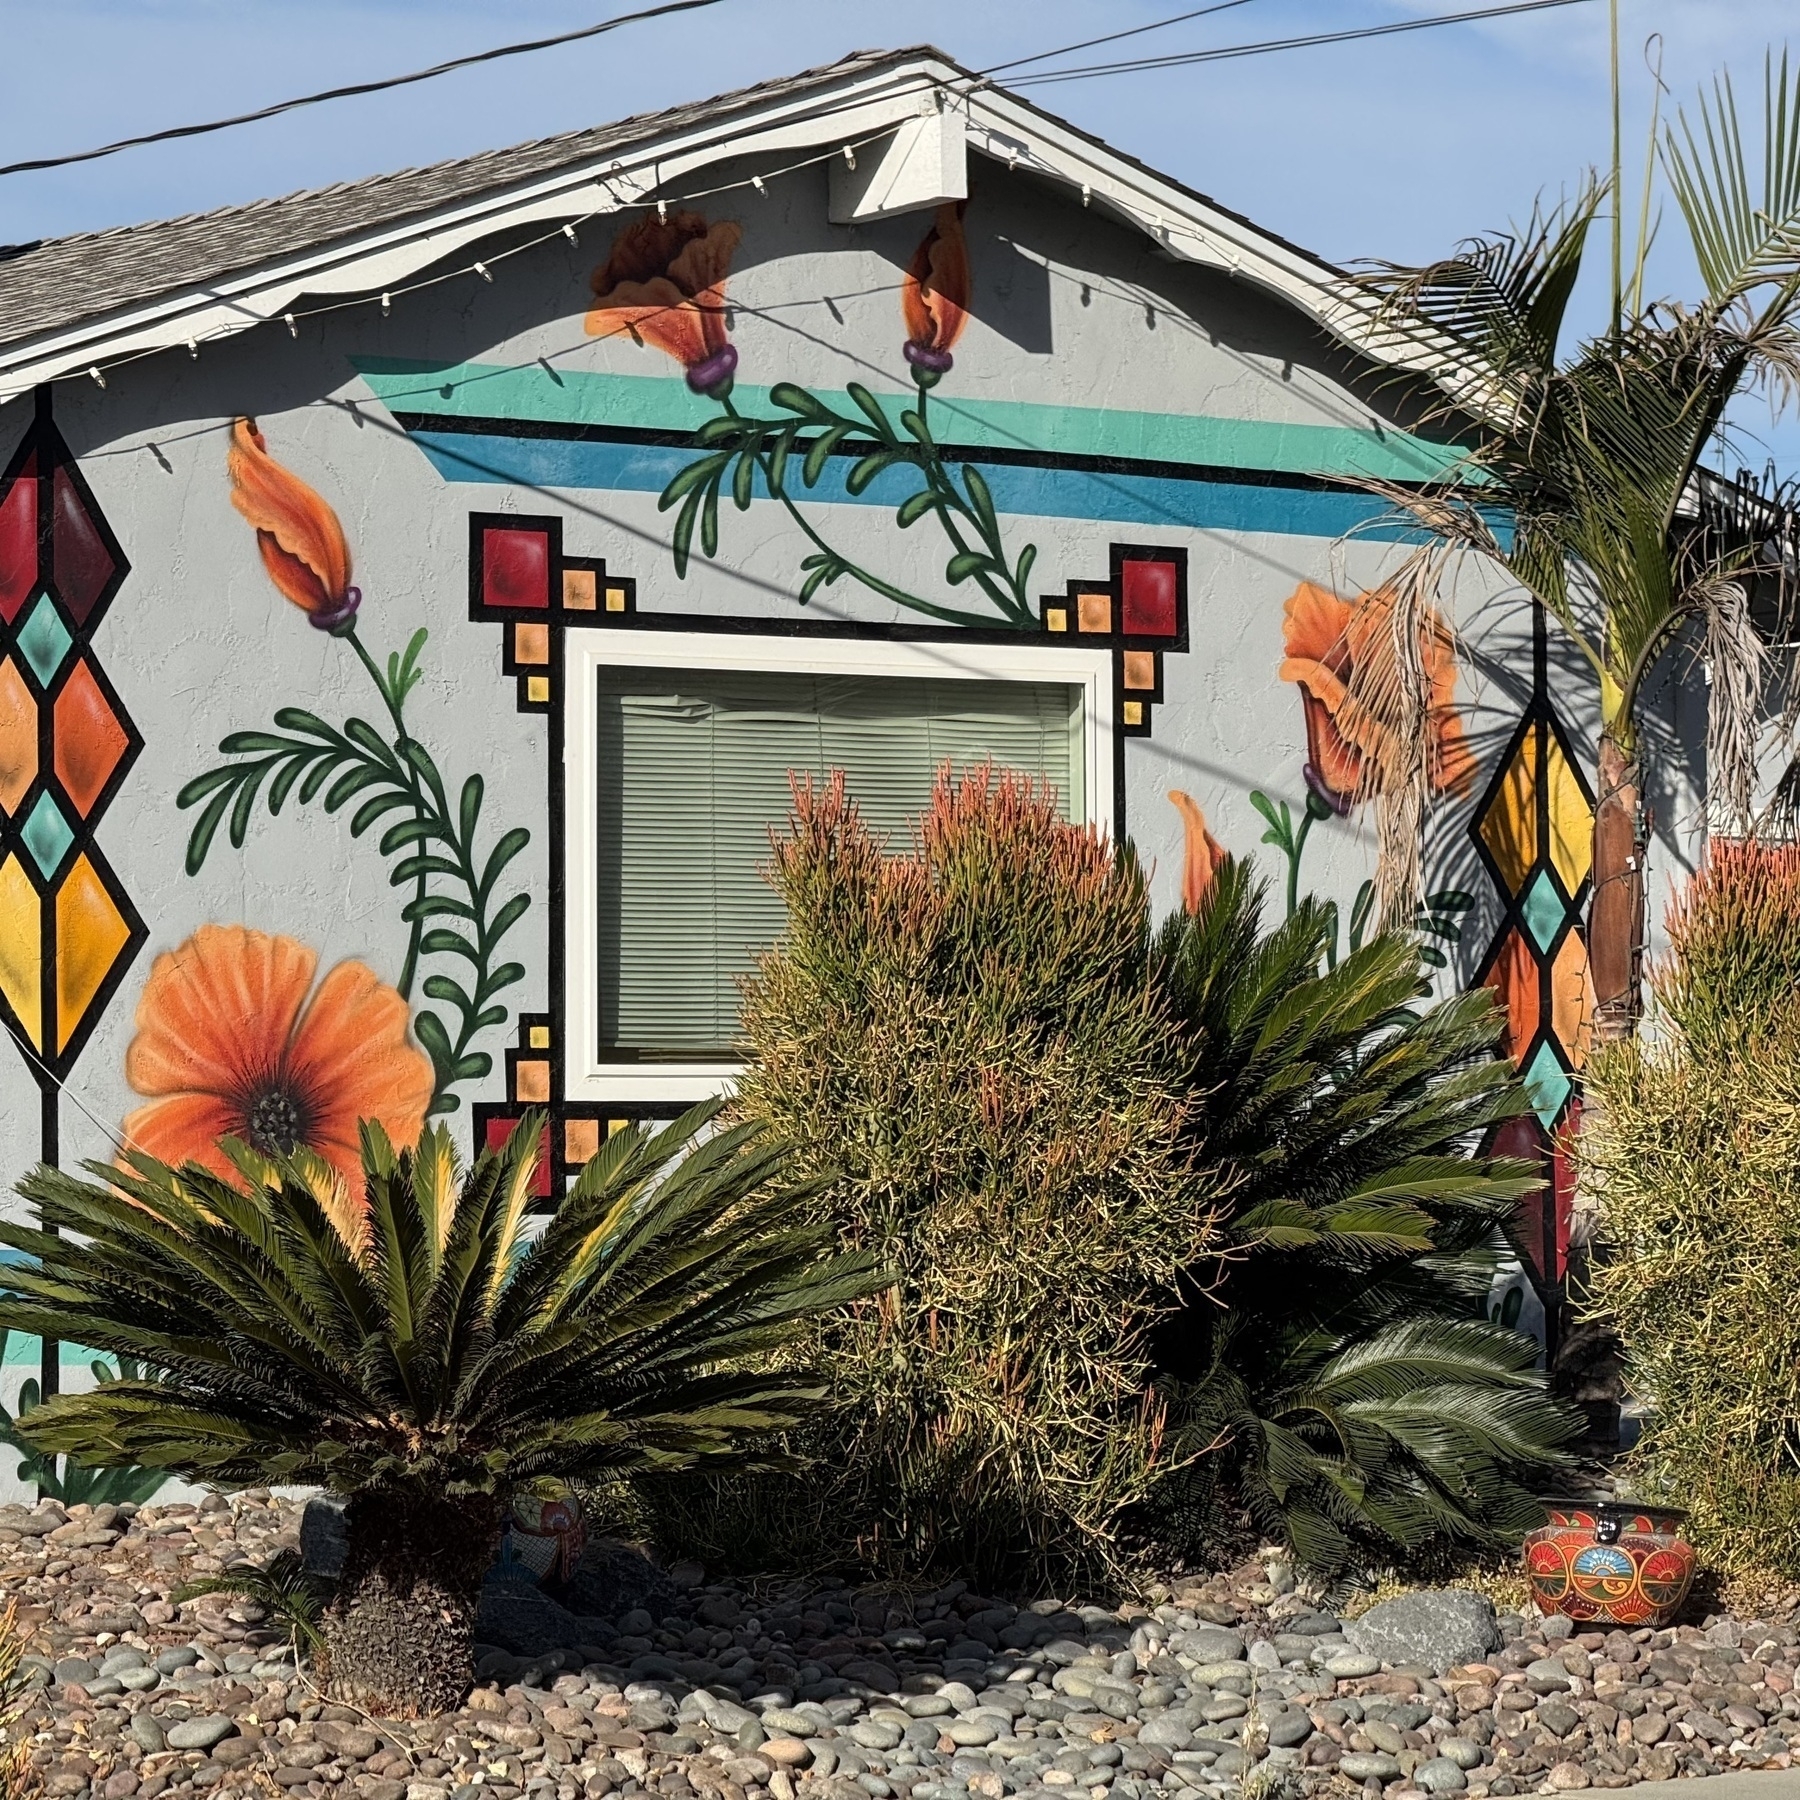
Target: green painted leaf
[507, 917]
[372, 809]
[441, 987]
[966, 563]
[709, 523]
[408, 831]
[469, 810]
[448, 943]
[819, 450]
[681, 539]
[915, 507]
[437, 906]
[791, 398]
[743, 481]
[871, 409]
[205, 829]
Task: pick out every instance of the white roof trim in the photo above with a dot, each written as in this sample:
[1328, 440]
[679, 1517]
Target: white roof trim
[861, 108]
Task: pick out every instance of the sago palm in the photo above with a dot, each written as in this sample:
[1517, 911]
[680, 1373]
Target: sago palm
[425, 1348]
[1585, 482]
[1337, 1376]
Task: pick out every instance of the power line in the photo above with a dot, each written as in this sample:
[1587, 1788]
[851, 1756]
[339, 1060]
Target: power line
[1268, 45]
[360, 87]
[1112, 37]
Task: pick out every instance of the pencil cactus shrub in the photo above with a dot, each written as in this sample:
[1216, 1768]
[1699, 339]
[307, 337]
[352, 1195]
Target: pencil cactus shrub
[429, 1346]
[960, 1041]
[1693, 1152]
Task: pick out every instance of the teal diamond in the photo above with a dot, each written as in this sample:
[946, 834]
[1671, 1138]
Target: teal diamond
[44, 640]
[47, 835]
[1547, 1085]
[1544, 911]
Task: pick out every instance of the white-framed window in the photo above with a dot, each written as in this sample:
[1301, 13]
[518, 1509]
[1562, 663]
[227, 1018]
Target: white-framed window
[678, 748]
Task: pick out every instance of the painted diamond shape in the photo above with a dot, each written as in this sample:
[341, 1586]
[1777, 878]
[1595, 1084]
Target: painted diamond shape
[92, 933]
[44, 640]
[1547, 1085]
[47, 835]
[1544, 911]
[91, 740]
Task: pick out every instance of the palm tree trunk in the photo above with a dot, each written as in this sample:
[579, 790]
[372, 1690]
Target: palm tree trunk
[400, 1631]
[1616, 920]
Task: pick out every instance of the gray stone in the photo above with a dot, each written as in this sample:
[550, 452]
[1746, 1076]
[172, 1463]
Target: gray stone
[877, 1734]
[1440, 1776]
[145, 1732]
[324, 1536]
[1548, 1676]
[118, 1661]
[1436, 1628]
[1558, 1717]
[1168, 1730]
[1359, 1765]
[1352, 1665]
[1209, 1644]
[76, 1668]
[1264, 1655]
[1287, 1731]
[1384, 1735]
[201, 1733]
[183, 1656]
[1651, 1728]
[1462, 1751]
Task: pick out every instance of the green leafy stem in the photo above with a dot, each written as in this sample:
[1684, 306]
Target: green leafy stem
[435, 843]
[738, 448]
[1438, 916]
[62, 1478]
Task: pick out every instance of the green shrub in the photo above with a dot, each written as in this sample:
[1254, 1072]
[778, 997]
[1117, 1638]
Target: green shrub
[1338, 1383]
[965, 1039]
[1692, 1146]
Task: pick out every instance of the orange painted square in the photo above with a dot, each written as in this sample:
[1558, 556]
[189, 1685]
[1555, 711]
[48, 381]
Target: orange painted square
[578, 590]
[1140, 670]
[531, 643]
[1094, 611]
[531, 1080]
[581, 1140]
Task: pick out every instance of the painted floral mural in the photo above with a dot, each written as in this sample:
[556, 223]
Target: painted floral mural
[233, 1040]
[452, 906]
[663, 283]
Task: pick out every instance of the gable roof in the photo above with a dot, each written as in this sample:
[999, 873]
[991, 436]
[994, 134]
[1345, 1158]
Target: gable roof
[70, 303]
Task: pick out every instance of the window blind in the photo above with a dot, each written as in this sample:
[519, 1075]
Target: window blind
[693, 772]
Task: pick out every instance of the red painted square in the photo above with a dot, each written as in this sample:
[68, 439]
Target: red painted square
[515, 568]
[499, 1130]
[1147, 603]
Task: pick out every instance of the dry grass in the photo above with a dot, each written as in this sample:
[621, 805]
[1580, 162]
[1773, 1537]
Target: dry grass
[18, 1779]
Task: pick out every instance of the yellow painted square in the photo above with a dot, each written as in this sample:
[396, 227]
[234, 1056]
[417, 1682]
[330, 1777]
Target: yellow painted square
[578, 590]
[615, 599]
[540, 1037]
[1056, 618]
[537, 688]
[615, 1126]
[1134, 712]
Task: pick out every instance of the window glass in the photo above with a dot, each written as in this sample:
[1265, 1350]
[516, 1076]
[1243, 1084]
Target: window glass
[693, 771]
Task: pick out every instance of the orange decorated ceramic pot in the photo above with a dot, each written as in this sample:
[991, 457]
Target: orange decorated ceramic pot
[1611, 1562]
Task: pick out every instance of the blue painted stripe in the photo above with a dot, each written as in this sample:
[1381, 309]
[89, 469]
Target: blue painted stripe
[1158, 501]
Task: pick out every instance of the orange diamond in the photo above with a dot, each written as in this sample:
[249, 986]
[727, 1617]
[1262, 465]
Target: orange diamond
[18, 736]
[90, 741]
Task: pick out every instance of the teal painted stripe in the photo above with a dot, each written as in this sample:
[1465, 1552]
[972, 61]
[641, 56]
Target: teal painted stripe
[1158, 502]
[537, 391]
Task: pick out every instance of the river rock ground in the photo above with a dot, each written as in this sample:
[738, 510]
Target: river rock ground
[650, 1682]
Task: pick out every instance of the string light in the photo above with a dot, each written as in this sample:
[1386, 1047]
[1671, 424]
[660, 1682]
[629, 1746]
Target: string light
[850, 156]
[481, 269]
[99, 379]
[387, 305]
[568, 231]
[756, 181]
[293, 329]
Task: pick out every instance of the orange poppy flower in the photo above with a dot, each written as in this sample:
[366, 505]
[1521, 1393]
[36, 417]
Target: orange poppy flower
[1202, 852]
[934, 297]
[664, 282]
[229, 1045]
[1330, 643]
[302, 544]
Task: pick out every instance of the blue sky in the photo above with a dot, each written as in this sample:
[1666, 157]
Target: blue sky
[1394, 148]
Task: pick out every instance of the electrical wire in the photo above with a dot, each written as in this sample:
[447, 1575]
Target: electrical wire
[360, 87]
[1188, 58]
[1112, 37]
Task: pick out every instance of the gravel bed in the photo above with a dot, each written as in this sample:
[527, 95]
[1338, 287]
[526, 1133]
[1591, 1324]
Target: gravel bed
[642, 1681]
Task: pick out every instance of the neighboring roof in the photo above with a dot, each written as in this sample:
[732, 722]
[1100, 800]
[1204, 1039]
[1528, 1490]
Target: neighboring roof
[71, 303]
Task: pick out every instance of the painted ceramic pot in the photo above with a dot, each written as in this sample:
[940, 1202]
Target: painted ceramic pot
[1610, 1562]
[543, 1539]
